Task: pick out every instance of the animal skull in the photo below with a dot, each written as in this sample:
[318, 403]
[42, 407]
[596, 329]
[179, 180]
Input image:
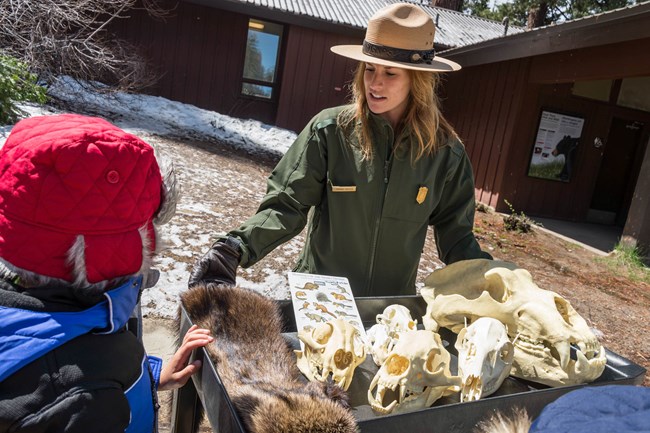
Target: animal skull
[484, 358]
[543, 324]
[397, 318]
[379, 343]
[416, 372]
[334, 347]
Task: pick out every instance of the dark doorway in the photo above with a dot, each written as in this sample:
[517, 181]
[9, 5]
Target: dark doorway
[618, 172]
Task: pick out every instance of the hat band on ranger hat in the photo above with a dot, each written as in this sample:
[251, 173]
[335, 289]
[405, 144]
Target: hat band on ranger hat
[397, 54]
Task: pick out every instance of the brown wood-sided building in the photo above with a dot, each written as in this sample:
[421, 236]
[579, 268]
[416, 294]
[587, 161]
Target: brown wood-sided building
[517, 96]
[201, 51]
[514, 99]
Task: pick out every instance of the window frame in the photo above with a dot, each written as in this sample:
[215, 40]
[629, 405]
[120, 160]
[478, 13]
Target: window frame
[275, 84]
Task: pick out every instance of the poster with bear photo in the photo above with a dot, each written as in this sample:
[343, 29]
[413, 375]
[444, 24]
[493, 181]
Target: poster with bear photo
[318, 299]
[555, 148]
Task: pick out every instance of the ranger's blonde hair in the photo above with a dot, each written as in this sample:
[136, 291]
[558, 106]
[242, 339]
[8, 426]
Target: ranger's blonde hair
[423, 117]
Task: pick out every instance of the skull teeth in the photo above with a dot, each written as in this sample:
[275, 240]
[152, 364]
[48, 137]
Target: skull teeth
[402, 393]
[405, 394]
[564, 350]
[582, 346]
[589, 359]
[376, 401]
[472, 389]
[590, 348]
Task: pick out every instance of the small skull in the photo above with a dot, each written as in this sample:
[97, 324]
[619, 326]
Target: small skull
[379, 343]
[333, 348]
[397, 318]
[484, 358]
[416, 373]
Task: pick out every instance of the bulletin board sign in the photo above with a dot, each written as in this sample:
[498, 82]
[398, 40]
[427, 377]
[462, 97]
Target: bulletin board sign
[556, 145]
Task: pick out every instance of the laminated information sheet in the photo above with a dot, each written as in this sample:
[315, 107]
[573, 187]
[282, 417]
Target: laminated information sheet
[318, 299]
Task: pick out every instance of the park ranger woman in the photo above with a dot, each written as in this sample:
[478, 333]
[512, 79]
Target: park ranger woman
[369, 177]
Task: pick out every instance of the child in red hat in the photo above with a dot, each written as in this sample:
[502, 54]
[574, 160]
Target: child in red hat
[80, 200]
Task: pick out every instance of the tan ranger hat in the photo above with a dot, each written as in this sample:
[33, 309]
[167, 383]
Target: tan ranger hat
[400, 36]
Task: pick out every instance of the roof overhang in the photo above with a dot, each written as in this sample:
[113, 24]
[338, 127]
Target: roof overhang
[626, 24]
[281, 16]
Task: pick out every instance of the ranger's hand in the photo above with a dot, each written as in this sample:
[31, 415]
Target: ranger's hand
[218, 265]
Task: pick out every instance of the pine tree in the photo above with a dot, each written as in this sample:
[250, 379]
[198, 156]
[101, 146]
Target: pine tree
[536, 13]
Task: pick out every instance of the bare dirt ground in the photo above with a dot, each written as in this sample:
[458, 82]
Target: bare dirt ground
[617, 307]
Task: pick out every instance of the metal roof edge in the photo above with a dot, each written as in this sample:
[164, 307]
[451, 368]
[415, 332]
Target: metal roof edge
[464, 15]
[601, 29]
[282, 16]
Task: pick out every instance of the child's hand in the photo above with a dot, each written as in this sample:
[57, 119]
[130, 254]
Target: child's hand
[176, 372]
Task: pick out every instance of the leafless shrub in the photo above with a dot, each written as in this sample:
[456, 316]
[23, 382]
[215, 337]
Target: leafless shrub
[70, 37]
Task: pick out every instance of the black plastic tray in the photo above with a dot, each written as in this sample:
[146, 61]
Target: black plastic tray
[446, 415]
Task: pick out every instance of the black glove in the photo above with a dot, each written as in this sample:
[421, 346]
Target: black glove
[218, 265]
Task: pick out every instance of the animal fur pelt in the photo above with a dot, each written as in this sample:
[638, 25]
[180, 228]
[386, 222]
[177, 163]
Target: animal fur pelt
[257, 367]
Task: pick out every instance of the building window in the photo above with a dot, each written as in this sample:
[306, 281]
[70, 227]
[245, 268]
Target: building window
[262, 58]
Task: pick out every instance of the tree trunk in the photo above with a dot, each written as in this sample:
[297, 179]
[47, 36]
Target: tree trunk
[537, 15]
[454, 5]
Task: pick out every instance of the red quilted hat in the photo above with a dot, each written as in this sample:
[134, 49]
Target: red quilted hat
[75, 180]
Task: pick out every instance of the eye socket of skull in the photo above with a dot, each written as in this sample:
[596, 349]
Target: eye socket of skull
[397, 365]
[386, 317]
[433, 354]
[323, 333]
[496, 286]
[563, 308]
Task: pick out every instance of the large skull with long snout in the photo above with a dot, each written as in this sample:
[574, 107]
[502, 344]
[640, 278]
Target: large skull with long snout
[484, 358]
[414, 376]
[334, 347]
[543, 325]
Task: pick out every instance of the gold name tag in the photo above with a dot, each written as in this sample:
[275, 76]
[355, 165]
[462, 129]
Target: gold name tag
[344, 188]
[422, 194]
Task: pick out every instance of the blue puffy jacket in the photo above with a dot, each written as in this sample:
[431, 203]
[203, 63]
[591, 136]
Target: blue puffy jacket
[75, 370]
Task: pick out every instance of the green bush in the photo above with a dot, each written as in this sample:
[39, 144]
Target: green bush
[16, 84]
[517, 222]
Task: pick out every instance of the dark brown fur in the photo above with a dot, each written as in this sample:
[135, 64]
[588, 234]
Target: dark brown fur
[257, 367]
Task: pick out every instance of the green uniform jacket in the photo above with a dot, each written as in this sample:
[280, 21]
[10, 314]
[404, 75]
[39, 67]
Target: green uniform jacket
[366, 224]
